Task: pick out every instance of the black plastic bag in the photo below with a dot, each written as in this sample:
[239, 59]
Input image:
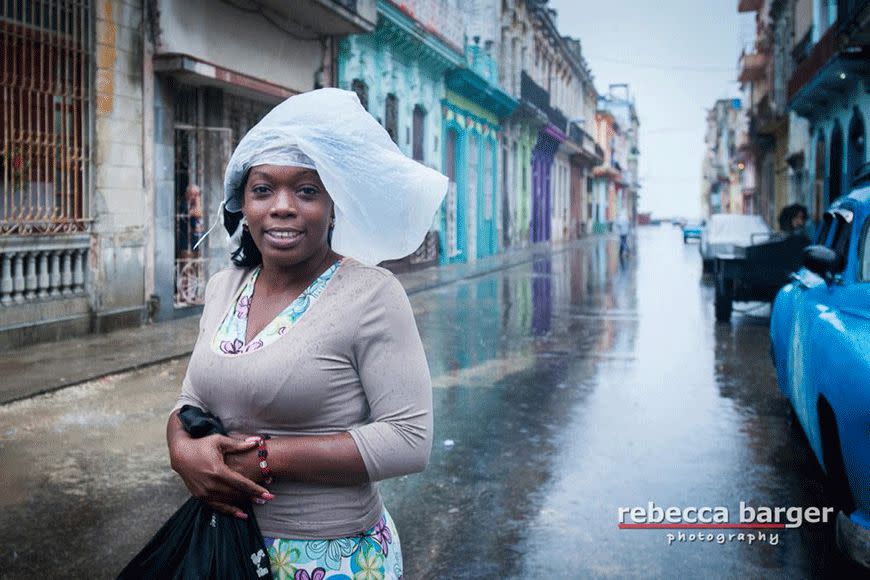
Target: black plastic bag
[198, 542]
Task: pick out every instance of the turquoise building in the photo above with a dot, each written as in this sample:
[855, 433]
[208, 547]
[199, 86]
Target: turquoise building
[439, 100]
[398, 71]
[472, 109]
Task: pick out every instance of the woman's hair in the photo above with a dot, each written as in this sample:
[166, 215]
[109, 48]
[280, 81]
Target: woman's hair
[247, 255]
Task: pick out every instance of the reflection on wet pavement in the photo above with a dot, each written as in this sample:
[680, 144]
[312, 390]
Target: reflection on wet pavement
[565, 388]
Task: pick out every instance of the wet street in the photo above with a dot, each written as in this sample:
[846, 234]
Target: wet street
[565, 388]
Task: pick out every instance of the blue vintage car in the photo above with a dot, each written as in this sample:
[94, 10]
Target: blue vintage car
[692, 230]
[820, 342]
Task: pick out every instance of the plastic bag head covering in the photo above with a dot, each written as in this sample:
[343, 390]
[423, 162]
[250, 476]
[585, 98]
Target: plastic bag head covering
[384, 201]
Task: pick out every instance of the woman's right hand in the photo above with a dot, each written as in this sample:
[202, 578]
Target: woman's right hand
[200, 463]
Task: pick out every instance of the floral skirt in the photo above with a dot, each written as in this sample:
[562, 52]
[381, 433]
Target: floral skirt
[375, 554]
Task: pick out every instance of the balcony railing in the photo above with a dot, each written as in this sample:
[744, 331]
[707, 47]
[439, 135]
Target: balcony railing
[34, 268]
[825, 49]
[586, 141]
[482, 63]
[533, 93]
[753, 66]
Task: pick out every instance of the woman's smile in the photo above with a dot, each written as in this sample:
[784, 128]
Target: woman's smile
[283, 238]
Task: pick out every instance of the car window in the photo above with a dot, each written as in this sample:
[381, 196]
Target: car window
[825, 229]
[840, 241]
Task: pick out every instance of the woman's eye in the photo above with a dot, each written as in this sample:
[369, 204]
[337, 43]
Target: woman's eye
[260, 189]
[308, 191]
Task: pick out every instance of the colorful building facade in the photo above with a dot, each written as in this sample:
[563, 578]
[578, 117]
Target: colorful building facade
[399, 72]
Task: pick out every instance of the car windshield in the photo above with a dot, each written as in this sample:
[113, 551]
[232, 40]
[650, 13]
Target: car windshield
[735, 229]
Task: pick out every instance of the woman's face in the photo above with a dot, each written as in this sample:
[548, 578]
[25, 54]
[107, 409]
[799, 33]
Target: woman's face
[288, 213]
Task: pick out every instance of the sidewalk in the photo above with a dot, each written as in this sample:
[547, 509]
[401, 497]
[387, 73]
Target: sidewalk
[47, 367]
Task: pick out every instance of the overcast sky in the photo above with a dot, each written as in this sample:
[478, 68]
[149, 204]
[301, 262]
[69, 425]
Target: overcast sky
[678, 56]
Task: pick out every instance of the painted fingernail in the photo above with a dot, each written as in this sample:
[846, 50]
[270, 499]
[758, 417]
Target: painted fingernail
[242, 515]
[268, 495]
[252, 440]
[259, 501]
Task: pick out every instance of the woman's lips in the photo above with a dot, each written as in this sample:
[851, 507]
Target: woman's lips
[283, 238]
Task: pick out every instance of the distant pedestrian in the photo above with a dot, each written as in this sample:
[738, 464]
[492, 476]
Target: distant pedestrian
[623, 228]
[307, 349]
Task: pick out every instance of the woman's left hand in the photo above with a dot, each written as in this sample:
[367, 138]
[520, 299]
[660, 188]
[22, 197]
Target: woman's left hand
[245, 463]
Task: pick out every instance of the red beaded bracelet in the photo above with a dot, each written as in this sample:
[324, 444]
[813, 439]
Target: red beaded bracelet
[263, 454]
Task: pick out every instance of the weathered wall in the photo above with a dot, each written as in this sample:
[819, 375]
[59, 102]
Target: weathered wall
[118, 197]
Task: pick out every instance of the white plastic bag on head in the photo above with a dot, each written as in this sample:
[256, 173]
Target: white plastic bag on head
[384, 201]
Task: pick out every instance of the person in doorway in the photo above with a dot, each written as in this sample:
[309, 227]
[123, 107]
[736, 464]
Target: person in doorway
[190, 226]
[307, 351]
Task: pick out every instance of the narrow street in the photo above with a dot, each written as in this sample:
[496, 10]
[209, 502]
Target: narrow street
[565, 388]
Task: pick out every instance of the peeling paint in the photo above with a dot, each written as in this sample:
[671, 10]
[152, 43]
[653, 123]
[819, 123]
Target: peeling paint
[106, 57]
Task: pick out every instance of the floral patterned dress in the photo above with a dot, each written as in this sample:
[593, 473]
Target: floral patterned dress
[230, 337]
[374, 554]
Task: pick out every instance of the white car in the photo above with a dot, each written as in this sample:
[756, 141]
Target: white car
[725, 232]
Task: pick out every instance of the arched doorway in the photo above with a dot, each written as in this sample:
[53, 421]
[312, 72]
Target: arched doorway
[819, 179]
[857, 147]
[835, 166]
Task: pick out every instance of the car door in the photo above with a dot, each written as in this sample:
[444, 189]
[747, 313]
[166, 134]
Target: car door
[784, 316]
[812, 308]
[840, 349]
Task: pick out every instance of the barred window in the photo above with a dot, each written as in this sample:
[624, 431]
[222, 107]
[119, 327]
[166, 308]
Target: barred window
[44, 115]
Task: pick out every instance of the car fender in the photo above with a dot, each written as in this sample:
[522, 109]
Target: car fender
[841, 374]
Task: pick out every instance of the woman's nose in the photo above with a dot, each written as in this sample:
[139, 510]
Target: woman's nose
[284, 203]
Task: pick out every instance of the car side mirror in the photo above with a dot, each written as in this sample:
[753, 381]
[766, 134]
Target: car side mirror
[822, 260]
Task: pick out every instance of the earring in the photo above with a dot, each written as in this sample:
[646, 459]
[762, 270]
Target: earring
[244, 223]
[332, 223]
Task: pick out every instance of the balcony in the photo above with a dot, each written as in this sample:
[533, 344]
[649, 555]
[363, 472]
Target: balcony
[481, 62]
[534, 94]
[590, 151]
[468, 83]
[826, 72]
[329, 17]
[753, 66]
[749, 5]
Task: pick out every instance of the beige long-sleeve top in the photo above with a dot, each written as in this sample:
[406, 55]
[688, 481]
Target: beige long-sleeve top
[353, 362]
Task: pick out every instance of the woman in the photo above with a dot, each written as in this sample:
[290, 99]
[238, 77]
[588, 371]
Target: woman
[305, 343]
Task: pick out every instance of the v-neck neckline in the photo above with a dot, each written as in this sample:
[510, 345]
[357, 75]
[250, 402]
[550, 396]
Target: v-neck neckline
[248, 288]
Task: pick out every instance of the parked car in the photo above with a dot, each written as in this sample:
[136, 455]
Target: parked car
[692, 230]
[756, 273]
[820, 343]
[725, 231]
